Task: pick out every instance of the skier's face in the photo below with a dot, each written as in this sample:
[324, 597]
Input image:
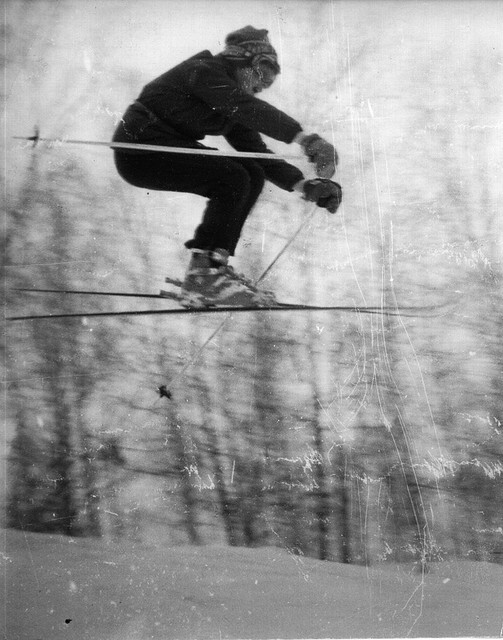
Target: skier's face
[255, 79]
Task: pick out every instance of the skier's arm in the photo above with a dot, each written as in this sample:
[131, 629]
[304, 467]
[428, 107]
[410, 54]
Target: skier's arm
[214, 87]
[279, 172]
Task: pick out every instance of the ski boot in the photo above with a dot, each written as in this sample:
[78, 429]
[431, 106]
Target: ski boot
[211, 282]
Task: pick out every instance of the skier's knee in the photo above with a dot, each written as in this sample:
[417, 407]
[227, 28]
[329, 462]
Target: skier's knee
[233, 182]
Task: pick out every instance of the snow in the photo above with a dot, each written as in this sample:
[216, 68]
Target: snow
[75, 588]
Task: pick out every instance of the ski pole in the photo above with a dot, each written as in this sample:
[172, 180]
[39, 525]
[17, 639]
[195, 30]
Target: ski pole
[280, 253]
[157, 148]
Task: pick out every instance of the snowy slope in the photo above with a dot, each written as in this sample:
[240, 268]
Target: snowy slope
[60, 587]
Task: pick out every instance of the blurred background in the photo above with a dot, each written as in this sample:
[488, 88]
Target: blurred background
[341, 436]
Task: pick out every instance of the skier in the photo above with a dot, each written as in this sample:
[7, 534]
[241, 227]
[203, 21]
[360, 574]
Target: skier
[215, 95]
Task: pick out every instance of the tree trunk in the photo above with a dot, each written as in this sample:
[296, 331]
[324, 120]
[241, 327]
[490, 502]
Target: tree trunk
[185, 465]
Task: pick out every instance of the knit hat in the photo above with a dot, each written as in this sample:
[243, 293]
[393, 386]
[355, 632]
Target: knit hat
[251, 44]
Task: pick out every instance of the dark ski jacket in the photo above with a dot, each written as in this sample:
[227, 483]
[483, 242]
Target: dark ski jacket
[201, 97]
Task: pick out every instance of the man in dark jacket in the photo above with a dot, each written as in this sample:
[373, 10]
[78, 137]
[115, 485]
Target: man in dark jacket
[216, 95]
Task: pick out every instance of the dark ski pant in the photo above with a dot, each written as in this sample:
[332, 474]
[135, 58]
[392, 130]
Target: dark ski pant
[232, 186]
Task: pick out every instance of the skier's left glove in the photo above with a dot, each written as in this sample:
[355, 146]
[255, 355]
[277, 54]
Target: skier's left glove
[321, 153]
[325, 193]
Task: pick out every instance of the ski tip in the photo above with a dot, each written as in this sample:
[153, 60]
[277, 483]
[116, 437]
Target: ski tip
[170, 295]
[174, 281]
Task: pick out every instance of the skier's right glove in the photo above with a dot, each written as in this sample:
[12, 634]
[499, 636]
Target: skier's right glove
[325, 193]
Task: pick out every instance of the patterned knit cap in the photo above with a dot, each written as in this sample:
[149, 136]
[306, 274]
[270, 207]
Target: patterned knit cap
[251, 44]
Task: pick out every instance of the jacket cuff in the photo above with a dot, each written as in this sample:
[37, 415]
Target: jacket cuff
[299, 186]
[299, 137]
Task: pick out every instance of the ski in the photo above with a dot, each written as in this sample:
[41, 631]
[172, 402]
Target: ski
[208, 310]
[165, 295]
[121, 294]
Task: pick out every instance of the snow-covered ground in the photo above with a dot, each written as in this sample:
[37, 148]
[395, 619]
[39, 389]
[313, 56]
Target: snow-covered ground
[86, 589]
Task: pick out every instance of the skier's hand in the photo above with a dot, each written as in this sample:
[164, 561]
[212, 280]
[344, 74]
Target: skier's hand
[325, 193]
[321, 153]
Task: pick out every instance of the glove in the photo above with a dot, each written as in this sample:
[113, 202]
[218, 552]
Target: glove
[321, 153]
[325, 193]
